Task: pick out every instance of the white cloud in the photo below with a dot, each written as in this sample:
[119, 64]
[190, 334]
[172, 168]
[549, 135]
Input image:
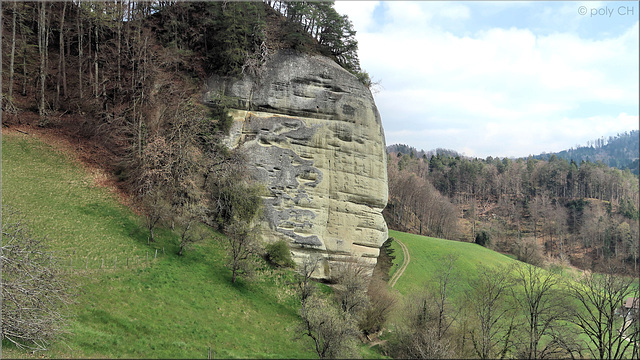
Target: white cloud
[511, 83]
[360, 12]
[455, 11]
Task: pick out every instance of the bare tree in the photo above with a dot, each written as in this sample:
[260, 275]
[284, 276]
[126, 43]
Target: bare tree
[43, 43]
[528, 250]
[187, 219]
[488, 300]
[62, 77]
[427, 318]
[13, 50]
[381, 304]
[633, 333]
[154, 181]
[419, 345]
[600, 298]
[333, 331]
[416, 337]
[306, 288]
[156, 208]
[539, 298]
[241, 238]
[33, 289]
[442, 283]
[351, 288]
[538, 208]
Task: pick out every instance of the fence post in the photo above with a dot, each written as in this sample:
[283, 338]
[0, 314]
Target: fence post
[156, 255]
[209, 353]
[163, 251]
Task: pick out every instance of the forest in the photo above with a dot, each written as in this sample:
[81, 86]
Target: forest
[127, 77]
[578, 213]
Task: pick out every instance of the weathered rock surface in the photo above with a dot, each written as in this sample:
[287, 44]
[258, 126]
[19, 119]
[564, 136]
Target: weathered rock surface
[315, 138]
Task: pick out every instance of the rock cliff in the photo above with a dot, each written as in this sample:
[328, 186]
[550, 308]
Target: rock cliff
[315, 138]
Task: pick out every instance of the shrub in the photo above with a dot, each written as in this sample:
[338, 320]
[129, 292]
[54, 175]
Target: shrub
[483, 238]
[528, 251]
[278, 254]
[381, 303]
[34, 291]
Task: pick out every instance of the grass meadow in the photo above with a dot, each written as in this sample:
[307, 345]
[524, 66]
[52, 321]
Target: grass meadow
[427, 254]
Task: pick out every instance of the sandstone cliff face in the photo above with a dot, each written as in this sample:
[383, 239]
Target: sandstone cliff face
[315, 138]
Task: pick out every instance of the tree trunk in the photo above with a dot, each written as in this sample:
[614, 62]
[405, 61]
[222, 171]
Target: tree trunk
[119, 43]
[13, 49]
[80, 54]
[95, 63]
[24, 68]
[89, 48]
[61, 60]
[42, 33]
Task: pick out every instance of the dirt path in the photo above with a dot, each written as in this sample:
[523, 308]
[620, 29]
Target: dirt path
[399, 272]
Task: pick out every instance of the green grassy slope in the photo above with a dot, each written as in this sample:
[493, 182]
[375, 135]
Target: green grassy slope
[173, 307]
[426, 252]
[425, 255]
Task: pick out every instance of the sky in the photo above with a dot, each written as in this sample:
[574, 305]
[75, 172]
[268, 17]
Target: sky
[500, 78]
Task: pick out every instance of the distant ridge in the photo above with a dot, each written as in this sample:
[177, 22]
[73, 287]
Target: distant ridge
[620, 151]
[407, 150]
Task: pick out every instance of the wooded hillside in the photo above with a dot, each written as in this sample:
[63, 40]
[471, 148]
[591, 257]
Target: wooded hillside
[621, 151]
[579, 213]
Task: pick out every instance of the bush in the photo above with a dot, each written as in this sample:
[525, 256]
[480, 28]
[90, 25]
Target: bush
[416, 335]
[34, 292]
[483, 238]
[381, 303]
[528, 251]
[332, 330]
[278, 254]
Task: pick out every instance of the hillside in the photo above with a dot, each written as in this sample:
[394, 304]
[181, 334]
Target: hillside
[164, 89]
[167, 307]
[469, 297]
[621, 151]
[583, 213]
[121, 85]
[132, 304]
[427, 251]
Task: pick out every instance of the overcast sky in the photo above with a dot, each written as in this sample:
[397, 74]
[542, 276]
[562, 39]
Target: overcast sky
[498, 78]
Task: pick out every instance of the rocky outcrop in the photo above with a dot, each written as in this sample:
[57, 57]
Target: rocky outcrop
[315, 138]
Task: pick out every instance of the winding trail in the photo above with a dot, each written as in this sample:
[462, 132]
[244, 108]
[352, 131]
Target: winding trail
[399, 272]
